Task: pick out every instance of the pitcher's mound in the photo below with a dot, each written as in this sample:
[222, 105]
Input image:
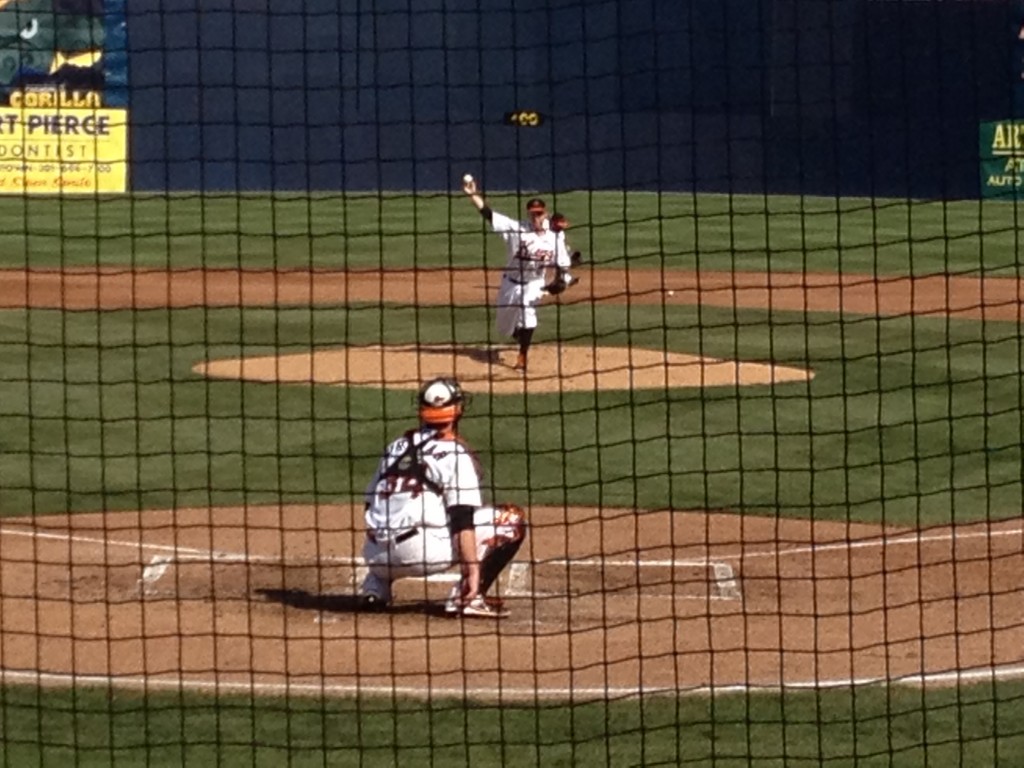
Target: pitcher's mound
[482, 369]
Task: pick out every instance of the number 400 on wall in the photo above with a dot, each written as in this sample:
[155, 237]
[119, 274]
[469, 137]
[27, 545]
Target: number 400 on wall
[524, 118]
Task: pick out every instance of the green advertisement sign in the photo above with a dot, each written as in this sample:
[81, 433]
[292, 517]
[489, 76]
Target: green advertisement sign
[1001, 152]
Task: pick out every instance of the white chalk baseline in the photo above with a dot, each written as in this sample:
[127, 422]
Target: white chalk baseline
[723, 582]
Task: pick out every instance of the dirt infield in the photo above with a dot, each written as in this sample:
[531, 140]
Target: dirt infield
[605, 602]
[553, 368]
[938, 295]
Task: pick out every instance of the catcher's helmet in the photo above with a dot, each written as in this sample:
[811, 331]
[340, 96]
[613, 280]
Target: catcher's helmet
[441, 402]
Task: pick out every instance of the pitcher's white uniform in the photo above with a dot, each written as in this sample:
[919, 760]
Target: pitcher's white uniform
[421, 475]
[530, 253]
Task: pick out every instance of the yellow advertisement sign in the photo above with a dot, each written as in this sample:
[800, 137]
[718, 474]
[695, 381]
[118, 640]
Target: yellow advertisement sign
[61, 150]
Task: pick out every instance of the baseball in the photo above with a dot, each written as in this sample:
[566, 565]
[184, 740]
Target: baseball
[467, 178]
[671, 293]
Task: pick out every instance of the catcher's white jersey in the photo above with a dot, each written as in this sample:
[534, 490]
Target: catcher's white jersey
[420, 476]
[530, 253]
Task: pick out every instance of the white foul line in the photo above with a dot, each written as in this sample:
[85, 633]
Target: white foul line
[174, 550]
[180, 683]
[725, 582]
[138, 545]
[879, 542]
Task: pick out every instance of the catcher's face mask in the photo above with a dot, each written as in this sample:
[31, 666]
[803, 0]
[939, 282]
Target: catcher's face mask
[441, 402]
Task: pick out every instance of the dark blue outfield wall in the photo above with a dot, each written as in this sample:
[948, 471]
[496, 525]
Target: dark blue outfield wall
[824, 97]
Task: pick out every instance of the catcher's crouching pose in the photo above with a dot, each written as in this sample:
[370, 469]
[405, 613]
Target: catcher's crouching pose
[424, 512]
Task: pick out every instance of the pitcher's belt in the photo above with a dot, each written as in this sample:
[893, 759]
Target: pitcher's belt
[516, 282]
[398, 538]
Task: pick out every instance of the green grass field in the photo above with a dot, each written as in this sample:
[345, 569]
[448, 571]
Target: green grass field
[868, 727]
[910, 421]
[681, 231]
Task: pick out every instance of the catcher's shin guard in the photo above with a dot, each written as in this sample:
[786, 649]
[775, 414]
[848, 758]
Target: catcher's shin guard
[495, 560]
[502, 548]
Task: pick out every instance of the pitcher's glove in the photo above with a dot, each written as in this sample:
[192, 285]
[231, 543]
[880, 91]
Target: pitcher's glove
[562, 281]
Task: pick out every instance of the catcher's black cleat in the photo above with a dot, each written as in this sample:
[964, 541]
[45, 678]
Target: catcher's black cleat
[371, 604]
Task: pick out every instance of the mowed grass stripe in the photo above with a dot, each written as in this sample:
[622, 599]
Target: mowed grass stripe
[434, 229]
[908, 420]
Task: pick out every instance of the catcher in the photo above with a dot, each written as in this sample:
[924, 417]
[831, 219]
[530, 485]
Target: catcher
[424, 512]
[532, 247]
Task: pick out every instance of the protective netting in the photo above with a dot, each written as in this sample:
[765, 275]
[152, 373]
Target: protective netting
[767, 441]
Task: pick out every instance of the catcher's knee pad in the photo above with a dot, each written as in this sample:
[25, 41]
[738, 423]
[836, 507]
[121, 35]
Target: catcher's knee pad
[509, 522]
